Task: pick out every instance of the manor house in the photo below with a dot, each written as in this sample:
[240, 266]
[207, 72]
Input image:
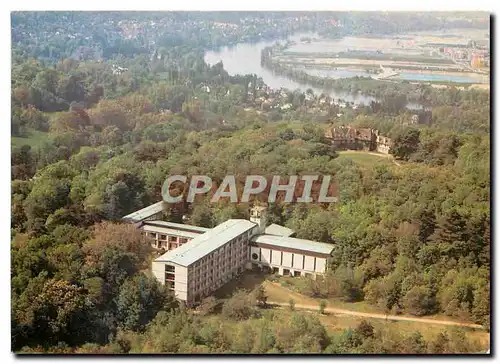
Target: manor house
[347, 137]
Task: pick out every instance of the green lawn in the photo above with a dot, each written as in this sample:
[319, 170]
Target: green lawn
[33, 138]
[366, 159]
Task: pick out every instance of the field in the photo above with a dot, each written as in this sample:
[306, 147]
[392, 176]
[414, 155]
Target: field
[366, 159]
[336, 324]
[33, 138]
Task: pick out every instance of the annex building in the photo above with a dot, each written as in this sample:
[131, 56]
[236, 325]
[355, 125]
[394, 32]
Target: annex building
[199, 260]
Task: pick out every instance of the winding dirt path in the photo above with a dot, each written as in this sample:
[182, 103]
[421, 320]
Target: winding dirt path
[388, 156]
[381, 316]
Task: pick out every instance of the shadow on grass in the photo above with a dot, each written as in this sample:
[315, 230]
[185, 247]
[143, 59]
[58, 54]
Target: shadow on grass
[248, 280]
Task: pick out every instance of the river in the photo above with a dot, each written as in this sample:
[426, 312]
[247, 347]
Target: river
[244, 58]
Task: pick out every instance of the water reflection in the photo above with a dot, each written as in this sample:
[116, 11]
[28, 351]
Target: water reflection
[244, 58]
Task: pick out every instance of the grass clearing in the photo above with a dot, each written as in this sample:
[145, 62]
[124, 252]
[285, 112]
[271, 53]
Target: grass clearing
[337, 324]
[366, 159]
[33, 138]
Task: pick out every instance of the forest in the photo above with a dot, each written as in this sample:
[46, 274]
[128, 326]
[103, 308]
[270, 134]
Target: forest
[92, 144]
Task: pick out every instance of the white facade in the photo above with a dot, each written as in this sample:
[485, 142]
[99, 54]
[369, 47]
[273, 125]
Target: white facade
[204, 263]
[192, 277]
[287, 262]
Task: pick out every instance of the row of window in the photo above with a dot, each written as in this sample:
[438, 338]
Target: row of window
[213, 270]
[169, 246]
[169, 238]
[210, 283]
[219, 262]
[236, 245]
[286, 272]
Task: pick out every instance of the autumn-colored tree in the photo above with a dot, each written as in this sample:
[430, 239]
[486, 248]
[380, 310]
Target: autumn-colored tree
[123, 237]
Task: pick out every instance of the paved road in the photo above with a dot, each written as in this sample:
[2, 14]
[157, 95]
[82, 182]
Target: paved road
[380, 316]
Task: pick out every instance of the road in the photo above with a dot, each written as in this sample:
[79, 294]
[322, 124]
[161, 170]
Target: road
[380, 316]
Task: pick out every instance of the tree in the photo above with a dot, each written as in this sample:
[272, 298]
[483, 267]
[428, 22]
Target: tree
[56, 312]
[260, 296]
[239, 307]
[405, 144]
[418, 301]
[112, 136]
[481, 306]
[139, 300]
[122, 237]
[208, 305]
[322, 306]
[414, 344]
[67, 122]
[33, 118]
[291, 303]
[364, 331]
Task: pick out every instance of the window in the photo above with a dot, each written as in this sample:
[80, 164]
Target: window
[152, 235]
[170, 276]
[169, 268]
[276, 270]
[286, 272]
[163, 237]
[296, 274]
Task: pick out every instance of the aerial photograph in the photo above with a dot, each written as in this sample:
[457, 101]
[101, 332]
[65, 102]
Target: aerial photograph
[250, 182]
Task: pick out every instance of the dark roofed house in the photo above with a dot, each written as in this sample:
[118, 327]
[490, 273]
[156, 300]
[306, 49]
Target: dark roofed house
[365, 139]
[347, 137]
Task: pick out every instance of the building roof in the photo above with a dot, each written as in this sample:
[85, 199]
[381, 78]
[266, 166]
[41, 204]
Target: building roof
[364, 134]
[176, 226]
[294, 243]
[206, 243]
[144, 213]
[275, 229]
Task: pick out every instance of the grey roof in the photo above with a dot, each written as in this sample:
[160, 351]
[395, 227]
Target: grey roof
[168, 231]
[294, 243]
[206, 243]
[174, 225]
[144, 213]
[275, 229]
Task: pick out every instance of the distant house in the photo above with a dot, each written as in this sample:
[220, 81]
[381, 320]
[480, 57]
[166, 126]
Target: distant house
[383, 144]
[365, 139]
[347, 137]
[117, 70]
[423, 117]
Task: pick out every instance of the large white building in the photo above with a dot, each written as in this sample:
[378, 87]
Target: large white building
[198, 260]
